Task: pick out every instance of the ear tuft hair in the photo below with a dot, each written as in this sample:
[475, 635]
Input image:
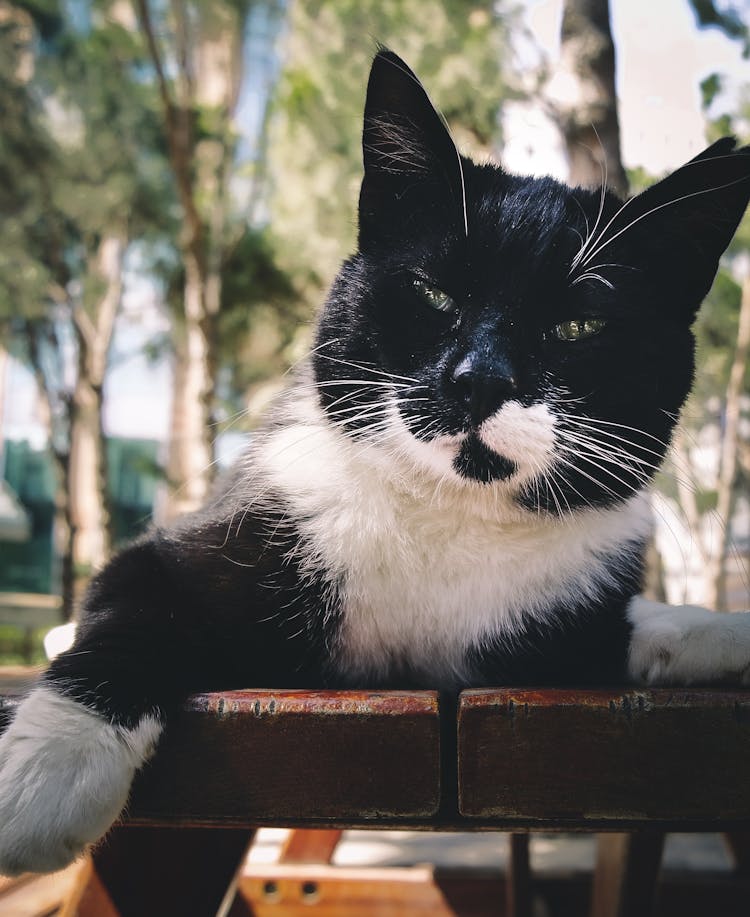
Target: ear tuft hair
[410, 158]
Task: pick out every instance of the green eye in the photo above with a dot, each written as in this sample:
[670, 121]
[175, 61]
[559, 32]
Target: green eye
[578, 330]
[435, 298]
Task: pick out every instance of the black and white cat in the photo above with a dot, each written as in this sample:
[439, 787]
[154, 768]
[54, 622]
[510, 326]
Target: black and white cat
[452, 493]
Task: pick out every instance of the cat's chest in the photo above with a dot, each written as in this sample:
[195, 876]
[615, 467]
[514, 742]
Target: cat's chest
[422, 588]
[420, 599]
[424, 576]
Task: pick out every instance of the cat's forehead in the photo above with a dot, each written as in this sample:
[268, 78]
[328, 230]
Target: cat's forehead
[524, 228]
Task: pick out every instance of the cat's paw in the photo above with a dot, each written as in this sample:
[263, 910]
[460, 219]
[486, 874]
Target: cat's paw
[65, 775]
[686, 645]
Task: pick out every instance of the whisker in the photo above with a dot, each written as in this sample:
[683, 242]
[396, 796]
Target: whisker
[590, 275]
[600, 245]
[590, 236]
[367, 369]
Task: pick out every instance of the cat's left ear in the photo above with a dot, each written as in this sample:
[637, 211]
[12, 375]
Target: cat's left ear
[412, 166]
[690, 217]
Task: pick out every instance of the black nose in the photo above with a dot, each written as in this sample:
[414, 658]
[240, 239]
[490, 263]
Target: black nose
[482, 390]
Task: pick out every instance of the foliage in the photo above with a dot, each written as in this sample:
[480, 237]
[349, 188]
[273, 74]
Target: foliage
[260, 313]
[78, 156]
[26, 167]
[726, 17]
[314, 152]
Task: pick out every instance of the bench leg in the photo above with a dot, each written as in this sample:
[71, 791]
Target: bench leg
[518, 885]
[627, 869]
[310, 845]
[151, 872]
[738, 843]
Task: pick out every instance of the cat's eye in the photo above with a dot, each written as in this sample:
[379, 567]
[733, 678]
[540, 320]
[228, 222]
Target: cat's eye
[578, 329]
[435, 298]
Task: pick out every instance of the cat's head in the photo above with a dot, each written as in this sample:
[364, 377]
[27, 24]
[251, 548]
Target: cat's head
[514, 332]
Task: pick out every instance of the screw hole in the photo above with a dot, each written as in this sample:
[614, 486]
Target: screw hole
[310, 892]
[270, 890]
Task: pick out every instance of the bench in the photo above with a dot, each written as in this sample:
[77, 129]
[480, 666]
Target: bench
[629, 764]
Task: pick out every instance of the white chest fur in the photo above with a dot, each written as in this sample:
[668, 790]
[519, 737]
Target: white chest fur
[431, 568]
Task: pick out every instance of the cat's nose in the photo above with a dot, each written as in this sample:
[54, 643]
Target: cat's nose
[483, 390]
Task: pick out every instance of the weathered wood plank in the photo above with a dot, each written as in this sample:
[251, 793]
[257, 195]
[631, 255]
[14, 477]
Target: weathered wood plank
[578, 757]
[328, 891]
[299, 891]
[264, 757]
[37, 896]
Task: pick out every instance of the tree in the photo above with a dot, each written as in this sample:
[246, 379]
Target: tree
[196, 51]
[727, 19]
[583, 96]
[714, 421]
[75, 214]
[314, 145]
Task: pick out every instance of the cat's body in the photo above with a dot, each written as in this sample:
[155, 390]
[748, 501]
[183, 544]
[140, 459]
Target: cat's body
[452, 493]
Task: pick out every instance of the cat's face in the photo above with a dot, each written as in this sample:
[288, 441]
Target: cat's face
[514, 332]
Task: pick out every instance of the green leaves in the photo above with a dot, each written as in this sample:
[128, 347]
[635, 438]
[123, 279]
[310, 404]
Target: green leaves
[315, 153]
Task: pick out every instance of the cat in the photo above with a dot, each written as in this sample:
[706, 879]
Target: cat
[452, 492]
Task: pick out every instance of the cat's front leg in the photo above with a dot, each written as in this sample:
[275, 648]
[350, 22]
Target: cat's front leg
[65, 775]
[170, 615]
[69, 756]
[686, 645]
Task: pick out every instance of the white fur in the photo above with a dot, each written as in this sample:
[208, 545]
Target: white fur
[683, 645]
[65, 775]
[526, 435]
[430, 565]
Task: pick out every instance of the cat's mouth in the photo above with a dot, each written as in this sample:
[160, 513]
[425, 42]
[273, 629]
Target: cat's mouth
[513, 439]
[516, 442]
[477, 461]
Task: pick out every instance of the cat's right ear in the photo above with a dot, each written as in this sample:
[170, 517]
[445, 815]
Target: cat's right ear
[412, 166]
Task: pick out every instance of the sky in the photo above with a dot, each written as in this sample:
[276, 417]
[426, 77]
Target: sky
[661, 59]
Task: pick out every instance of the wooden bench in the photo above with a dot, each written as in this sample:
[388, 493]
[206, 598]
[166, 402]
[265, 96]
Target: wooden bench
[629, 764]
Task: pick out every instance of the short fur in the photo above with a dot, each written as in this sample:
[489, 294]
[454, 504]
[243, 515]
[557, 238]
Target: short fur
[451, 494]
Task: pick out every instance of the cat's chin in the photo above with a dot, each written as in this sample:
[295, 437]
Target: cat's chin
[477, 462]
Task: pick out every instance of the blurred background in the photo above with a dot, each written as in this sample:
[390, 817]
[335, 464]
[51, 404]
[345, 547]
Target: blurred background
[178, 183]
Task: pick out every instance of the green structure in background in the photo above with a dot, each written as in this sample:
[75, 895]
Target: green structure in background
[30, 565]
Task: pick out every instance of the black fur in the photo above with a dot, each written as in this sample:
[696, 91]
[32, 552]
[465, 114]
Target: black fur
[222, 600]
[196, 608]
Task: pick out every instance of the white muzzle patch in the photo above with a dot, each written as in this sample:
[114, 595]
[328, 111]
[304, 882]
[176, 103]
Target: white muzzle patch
[525, 435]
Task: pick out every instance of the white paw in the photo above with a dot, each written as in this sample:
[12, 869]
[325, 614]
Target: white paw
[65, 774]
[686, 645]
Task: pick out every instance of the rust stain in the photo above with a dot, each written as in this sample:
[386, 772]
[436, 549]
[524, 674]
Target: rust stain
[260, 702]
[628, 700]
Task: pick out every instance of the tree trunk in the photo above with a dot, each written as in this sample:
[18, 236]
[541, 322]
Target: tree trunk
[88, 499]
[206, 74]
[3, 377]
[583, 95]
[729, 457]
[190, 458]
